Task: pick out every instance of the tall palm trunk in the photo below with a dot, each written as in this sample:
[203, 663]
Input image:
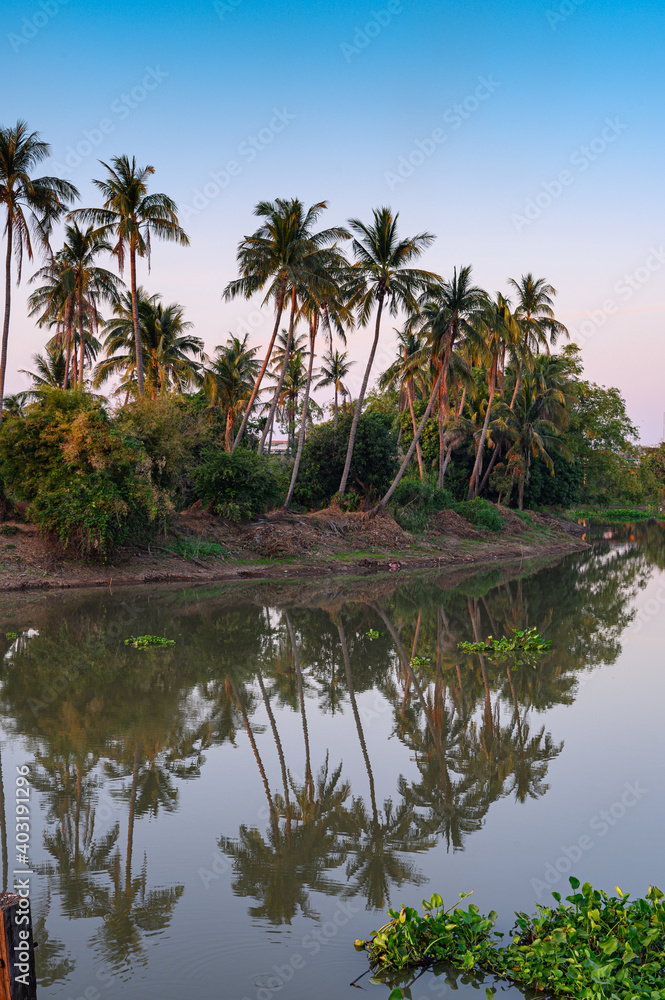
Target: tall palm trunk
[69, 322]
[336, 421]
[259, 377]
[282, 375]
[356, 716]
[132, 816]
[301, 697]
[81, 337]
[412, 447]
[135, 317]
[409, 393]
[488, 471]
[5, 325]
[477, 466]
[359, 404]
[301, 436]
[280, 750]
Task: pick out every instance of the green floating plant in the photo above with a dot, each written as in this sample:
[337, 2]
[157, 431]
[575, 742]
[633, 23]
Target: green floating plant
[372, 634]
[419, 661]
[11, 635]
[523, 641]
[148, 641]
[591, 946]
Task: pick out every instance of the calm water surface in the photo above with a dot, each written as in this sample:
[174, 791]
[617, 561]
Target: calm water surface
[222, 818]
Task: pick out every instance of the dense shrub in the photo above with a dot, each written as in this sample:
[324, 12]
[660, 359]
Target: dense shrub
[87, 483]
[414, 503]
[559, 490]
[373, 466]
[479, 512]
[236, 486]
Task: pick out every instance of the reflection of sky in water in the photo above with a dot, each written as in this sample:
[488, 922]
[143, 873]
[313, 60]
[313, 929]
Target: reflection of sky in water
[169, 775]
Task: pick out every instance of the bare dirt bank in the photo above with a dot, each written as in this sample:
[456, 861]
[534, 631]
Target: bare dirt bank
[201, 548]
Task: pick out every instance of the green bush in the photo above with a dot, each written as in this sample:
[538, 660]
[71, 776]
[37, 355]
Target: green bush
[373, 465]
[479, 512]
[237, 486]
[414, 503]
[87, 484]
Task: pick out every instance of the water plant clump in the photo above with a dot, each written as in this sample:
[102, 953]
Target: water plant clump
[591, 946]
[148, 641]
[526, 641]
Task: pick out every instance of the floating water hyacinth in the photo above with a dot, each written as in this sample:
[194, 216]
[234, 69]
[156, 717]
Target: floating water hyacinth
[148, 641]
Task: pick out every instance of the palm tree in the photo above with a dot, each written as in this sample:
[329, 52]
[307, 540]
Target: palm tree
[402, 373]
[500, 327]
[380, 276]
[229, 380]
[75, 285]
[334, 369]
[535, 315]
[449, 311]
[31, 204]
[133, 217]
[324, 303]
[50, 369]
[167, 349]
[275, 255]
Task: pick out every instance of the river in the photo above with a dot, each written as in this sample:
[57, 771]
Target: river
[222, 817]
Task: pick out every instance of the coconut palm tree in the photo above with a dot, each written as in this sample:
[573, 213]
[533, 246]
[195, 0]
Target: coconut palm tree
[229, 381]
[275, 258]
[500, 328]
[381, 276]
[448, 312]
[402, 373]
[49, 369]
[31, 206]
[535, 314]
[324, 304]
[334, 369]
[168, 351]
[132, 217]
[75, 285]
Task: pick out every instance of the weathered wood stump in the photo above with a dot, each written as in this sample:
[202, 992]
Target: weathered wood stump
[18, 980]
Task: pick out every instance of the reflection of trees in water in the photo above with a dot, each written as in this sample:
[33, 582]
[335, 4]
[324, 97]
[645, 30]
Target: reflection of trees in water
[140, 723]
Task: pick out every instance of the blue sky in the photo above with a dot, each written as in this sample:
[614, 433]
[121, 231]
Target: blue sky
[529, 137]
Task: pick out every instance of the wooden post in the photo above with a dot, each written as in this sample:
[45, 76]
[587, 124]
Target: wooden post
[18, 980]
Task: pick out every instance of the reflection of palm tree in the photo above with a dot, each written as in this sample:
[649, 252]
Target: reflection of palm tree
[301, 698]
[280, 872]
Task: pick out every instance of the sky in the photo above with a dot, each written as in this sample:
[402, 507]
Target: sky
[527, 136]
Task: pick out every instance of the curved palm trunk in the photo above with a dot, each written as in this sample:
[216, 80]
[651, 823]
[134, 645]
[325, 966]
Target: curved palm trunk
[356, 716]
[441, 423]
[5, 325]
[336, 421]
[280, 750]
[477, 465]
[135, 317]
[488, 471]
[282, 375]
[412, 447]
[301, 697]
[409, 393]
[359, 404]
[257, 757]
[259, 377]
[301, 436]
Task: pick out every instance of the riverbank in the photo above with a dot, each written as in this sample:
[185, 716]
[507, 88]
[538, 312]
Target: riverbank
[202, 548]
